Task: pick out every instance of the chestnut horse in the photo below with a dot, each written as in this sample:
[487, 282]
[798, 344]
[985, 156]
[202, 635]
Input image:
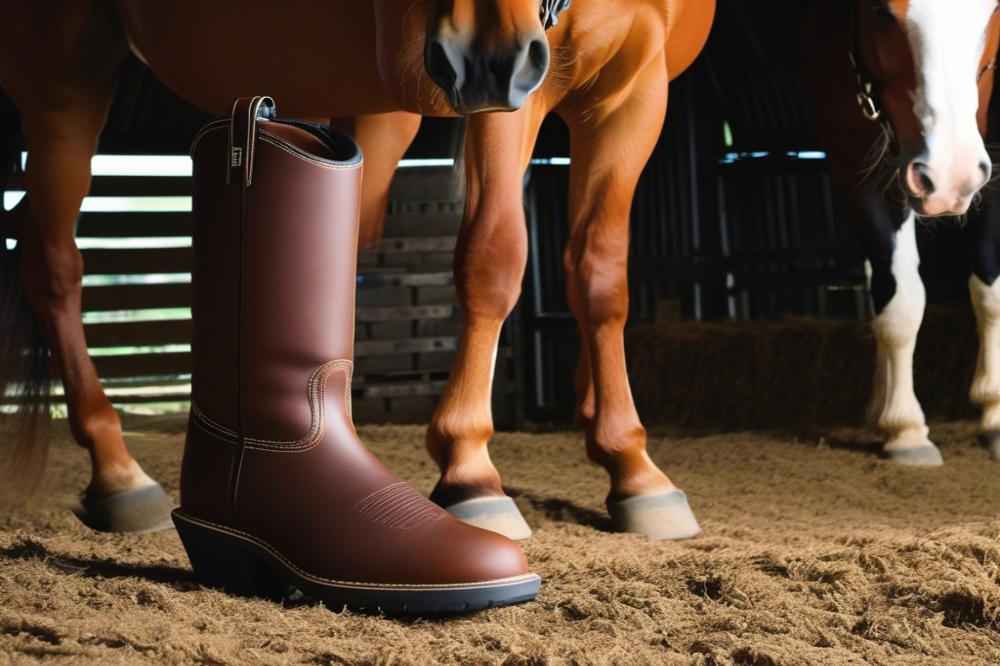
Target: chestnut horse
[901, 90]
[365, 65]
[59, 63]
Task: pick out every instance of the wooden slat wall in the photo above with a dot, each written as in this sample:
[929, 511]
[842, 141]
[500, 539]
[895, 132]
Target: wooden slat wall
[139, 329]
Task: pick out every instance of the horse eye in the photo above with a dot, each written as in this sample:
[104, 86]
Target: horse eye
[882, 11]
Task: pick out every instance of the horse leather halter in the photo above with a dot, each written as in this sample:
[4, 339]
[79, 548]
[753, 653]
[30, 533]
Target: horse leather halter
[867, 92]
[551, 10]
[867, 83]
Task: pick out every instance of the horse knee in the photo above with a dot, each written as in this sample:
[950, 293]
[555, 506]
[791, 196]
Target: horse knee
[985, 298]
[52, 274]
[899, 319]
[489, 265]
[598, 291]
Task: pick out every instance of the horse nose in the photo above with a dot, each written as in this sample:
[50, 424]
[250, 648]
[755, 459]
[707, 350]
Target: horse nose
[920, 179]
[498, 79]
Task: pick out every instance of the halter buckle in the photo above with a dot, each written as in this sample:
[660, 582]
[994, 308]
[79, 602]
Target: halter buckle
[869, 106]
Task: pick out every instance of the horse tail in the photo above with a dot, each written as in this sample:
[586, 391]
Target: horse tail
[25, 381]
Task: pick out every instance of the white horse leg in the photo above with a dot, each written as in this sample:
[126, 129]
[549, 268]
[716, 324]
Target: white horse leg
[985, 391]
[877, 401]
[896, 328]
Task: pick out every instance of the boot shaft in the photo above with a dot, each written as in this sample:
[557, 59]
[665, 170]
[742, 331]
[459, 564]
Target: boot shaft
[276, 208]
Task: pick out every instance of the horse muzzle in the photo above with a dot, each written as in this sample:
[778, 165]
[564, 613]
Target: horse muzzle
[499, 79]
[935, 191]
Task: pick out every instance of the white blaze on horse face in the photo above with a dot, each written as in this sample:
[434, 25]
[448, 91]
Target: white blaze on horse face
[947, 39]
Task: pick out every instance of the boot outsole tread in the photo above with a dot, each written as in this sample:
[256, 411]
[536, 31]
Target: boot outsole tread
[241, 564]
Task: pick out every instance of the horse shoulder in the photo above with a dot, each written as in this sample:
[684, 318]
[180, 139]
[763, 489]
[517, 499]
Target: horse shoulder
[688, 25]
[610, 50]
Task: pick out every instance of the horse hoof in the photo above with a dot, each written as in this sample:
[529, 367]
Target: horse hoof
[991, 441]
[660, 517]
[925, 455]
[497, 514]
[139, 511]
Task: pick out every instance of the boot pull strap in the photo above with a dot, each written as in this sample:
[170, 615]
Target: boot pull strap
[243, 134]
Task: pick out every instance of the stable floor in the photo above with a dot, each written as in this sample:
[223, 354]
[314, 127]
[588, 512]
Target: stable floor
[813, 551]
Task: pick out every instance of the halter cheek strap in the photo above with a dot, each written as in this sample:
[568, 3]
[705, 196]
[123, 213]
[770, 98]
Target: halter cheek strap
[867, 93]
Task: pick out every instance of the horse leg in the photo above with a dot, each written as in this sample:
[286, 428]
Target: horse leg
[61, 139]
[899, 299]
[609, 148]
[490, 259]
[983, 239]
[384, 138]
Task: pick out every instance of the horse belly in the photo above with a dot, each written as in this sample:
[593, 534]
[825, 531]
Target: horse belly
[317, 58]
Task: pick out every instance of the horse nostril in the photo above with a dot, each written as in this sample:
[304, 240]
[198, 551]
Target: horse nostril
[920, 179]
[530, 68]
[538, 54]
[439, 65]
[987, 169]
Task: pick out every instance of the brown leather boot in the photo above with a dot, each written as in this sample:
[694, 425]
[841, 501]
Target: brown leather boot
[276, 488]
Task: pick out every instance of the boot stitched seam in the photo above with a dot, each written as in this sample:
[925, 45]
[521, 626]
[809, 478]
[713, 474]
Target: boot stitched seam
[284, 560]
[316, 394]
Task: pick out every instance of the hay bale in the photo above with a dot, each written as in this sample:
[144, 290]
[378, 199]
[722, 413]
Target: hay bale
[789, 373]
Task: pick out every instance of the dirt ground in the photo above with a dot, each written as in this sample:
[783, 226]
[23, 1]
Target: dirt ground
[812, 552]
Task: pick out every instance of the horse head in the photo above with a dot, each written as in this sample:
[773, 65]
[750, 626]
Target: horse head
[489, 55]
[920, 67]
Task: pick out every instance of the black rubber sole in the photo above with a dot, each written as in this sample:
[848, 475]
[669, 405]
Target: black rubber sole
[242, 565]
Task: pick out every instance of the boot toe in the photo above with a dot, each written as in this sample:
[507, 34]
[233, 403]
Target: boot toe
[481, 555]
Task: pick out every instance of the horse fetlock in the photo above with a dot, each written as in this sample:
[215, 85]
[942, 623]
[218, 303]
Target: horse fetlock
[902, 414]
[907, 437]
[447, 440]
[117, 477]
[466, 477]
[989, 421]
[634, 475]
[985, 390]
[464, 461]
[97, 428]
[629, 467]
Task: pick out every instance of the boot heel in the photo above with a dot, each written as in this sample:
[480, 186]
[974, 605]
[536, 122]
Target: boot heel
[221, 562]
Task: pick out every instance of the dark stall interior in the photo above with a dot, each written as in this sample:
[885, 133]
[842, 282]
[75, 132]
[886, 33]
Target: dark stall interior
[734, 220]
